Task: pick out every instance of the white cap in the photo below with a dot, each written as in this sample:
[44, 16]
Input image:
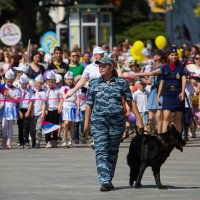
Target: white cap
[22, 67]
[58, 78]
[41, 49]
[24, 79]
[51, 75]
[10, 74]
[98, 50]
[69, 75]
[39, 78]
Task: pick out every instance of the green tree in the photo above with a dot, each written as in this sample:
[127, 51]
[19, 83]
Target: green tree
[144, 31]
[134, 21]
[130, 13]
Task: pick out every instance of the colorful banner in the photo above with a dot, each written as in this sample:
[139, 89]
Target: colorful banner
[49, 41]
[10, 34]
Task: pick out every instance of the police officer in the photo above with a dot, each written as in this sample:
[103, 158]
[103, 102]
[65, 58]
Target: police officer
[172, 84]
[107, 121]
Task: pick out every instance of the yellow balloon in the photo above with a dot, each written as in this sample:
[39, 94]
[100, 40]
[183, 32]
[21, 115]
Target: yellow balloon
[138, 46]
[160, 41]
[180, 54]
[137, 56]
[132, 51]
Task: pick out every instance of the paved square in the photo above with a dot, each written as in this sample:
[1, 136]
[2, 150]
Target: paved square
[62, 173]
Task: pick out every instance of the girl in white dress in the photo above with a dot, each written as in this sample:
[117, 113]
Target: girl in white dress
[70, 108]
[10, 112]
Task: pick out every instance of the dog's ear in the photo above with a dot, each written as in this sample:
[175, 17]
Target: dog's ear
[173, 128]
[168, 128]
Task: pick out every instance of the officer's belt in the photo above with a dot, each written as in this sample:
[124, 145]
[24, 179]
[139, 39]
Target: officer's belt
[171, 88]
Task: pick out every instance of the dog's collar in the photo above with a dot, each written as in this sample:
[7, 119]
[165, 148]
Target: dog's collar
[160, 139]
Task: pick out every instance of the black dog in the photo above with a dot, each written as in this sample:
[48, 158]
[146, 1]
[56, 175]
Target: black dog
[152, 150]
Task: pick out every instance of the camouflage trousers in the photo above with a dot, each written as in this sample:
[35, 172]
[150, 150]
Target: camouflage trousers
[107, 133]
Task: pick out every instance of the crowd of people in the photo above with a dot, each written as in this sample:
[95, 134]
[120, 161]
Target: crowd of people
[69, 72]
[110, 93]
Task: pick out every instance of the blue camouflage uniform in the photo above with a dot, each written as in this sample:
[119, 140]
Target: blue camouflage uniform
[172, 87]
[107, 123]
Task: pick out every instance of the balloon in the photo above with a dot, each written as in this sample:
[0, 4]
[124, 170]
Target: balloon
[45, 75]
[138, 46]
[160, 41]
[139, 57]
[131, 118]
[180, 53]
[136, 55]
[132, 52]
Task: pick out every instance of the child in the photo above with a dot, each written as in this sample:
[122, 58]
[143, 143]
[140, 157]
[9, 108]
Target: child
[19, 71]
[24, 112]
[79, 126]
[195, 105]
[38, 106]
[70, 108]
[52, 111]
[59, 81]
[141, 99]
[59, 84]
[10, 113]
[187, 114]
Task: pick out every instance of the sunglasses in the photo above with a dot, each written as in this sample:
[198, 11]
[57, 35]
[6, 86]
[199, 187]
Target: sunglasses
[74, 55]
[103, 65]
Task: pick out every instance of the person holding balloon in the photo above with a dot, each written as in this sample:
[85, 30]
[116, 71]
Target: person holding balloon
[155, 110]
[172, 86]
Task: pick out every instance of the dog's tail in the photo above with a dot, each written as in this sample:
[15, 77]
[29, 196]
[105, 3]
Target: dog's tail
[128, 159]
[131, 155]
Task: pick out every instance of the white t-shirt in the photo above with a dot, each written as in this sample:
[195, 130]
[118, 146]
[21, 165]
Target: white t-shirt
[52, 98]
[189, 90]
[25, 97]
[71, 101]
[14, 92]
[141, 99]
[91, 72]
[38, 98]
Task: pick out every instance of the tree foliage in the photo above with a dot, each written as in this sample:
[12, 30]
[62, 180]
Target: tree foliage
[131, 18]
[130, 13]
[134, 21]
[143, 31]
